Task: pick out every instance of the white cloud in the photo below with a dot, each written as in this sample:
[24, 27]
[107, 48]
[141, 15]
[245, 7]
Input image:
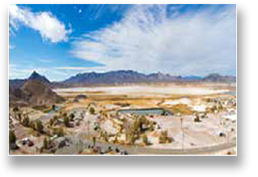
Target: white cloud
[74, 68]
[16, 72]
[11, 47]
[149, 40]
[49, 27]
[43, 60]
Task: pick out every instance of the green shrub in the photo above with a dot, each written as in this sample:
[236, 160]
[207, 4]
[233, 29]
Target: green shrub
[66, 122]
[53, 107]
[46, 143]
[59, 132]
[39, 126]
[32, 125]
[130, 138]
[197, 118]
[51, 122]
[19, 116]
[92, 110]
[26, 122]
[72, 116]
[16, 109]
[164, 138]
[12, 137]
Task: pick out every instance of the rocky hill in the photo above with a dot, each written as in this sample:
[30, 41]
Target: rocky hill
[42, 79]
[219, 78]
[32, 91]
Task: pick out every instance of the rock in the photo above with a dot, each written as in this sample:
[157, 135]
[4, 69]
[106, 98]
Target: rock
[112, 139]
[121, 138]
[140, 142]
[61, 142]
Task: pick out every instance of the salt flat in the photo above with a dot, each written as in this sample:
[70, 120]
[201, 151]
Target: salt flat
[118, 90]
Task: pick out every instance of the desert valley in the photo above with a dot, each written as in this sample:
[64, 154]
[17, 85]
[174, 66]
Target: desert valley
[122, 79]
[123, 112]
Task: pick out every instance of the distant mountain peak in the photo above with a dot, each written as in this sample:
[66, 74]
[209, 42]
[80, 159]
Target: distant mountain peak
[37, 76]
[34, 75]
[215, 77]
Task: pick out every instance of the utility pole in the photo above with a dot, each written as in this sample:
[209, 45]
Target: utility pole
[182, 130]
[88, 128]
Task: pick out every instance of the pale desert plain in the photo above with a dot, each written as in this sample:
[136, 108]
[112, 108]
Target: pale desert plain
[215, 133]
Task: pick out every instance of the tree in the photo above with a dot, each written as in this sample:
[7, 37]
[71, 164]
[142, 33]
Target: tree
[19, 116]
[16, 113]
[45, 143]
[16, 109]
[145, 139]
[164, 137]
[130, 138]
[39, 126]
[92, 110]
[53, 107]
[12, 140]
[32, 125]
[51, 122]
[163, 113]
[66, 122]
[72, 116]
[26, 122]
[12, 137]
[197, 118]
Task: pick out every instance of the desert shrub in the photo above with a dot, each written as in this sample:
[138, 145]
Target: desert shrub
[164, 138]
[72, 116]
[197, 118]
[12, 137]
[145, 140]
[181, 109]
[130, 138]
[32, 125]
[66, 122]
[51, 122]
[19, 116]
[15, 109]
[12, 141]
[59, 132]
[163, 113]
[92, 110]
[39, 126]
[53, 107]
[26, 122]
[213, 108]
[46, 143]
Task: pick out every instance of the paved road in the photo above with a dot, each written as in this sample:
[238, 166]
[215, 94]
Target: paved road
[134, 150]
[201, 150]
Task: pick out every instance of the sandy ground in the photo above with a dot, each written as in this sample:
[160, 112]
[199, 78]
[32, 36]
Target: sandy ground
[189, 135]
[195, 134]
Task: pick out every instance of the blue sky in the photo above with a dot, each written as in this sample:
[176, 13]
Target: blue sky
[59, 41]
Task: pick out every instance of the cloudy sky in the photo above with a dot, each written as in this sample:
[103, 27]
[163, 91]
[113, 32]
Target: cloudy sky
[59, 41]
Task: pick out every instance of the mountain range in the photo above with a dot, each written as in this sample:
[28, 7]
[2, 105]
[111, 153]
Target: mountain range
[119, 77]
[37, 89]
[129, 76]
